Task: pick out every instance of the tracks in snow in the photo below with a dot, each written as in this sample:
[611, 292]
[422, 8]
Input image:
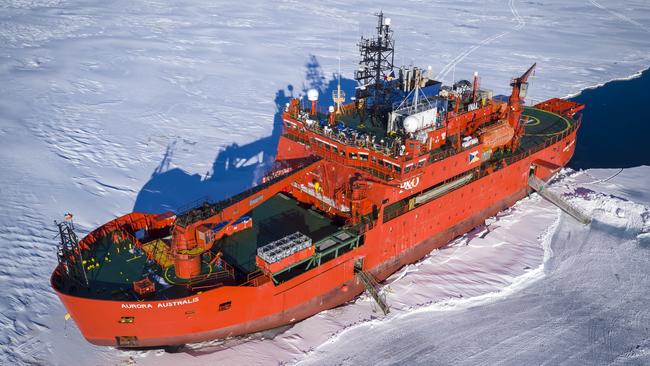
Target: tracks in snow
[619, 15]
[456, 60]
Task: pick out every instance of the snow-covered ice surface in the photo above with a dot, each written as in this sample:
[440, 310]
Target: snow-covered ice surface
[111, 106]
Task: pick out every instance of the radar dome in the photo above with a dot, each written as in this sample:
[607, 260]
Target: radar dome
[410, 124]
[312, 95]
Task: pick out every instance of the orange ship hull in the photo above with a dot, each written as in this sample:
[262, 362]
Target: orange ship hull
[234, 310]
[357, 191]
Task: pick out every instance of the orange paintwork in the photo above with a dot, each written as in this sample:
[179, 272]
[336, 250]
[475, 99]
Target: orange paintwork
[345, 183]
[497, 135]
[199, 318]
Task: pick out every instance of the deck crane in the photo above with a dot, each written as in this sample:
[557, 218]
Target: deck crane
[519, 89]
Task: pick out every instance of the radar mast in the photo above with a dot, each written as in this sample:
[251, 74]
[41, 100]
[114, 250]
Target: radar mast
[376, 70]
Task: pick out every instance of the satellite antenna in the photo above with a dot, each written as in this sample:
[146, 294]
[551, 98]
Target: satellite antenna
[312, 96]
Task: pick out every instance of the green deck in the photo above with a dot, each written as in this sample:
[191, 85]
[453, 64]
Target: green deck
[115, 263]
[540, 125]
[111, 268]
[272, 220]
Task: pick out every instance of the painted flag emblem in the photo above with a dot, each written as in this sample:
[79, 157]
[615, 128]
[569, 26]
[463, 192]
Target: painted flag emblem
[473, 157]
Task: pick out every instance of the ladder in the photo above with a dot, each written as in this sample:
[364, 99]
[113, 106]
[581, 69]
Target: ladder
[372, 285]
[540, 187]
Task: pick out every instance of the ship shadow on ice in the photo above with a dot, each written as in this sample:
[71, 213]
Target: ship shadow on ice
[236, 167]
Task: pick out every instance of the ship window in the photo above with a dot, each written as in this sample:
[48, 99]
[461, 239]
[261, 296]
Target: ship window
[407, 169]
[343, 153]
[374, 160]
[335, 149]
[398, 168]
[123, 341]
[127, 320]
[363, 156]
[353, 156]
[420, 164]
[225, 305]
[327, 147]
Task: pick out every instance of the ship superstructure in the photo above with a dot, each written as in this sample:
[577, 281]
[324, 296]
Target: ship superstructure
[357, 190]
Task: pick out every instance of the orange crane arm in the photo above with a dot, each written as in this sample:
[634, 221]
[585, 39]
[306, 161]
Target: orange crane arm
[514, 105]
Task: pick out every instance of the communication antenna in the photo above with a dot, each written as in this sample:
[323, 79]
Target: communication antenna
[338, 96]
[416, 91]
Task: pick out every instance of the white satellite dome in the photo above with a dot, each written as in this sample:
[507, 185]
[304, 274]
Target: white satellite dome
[410, 124]
[312, 95]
